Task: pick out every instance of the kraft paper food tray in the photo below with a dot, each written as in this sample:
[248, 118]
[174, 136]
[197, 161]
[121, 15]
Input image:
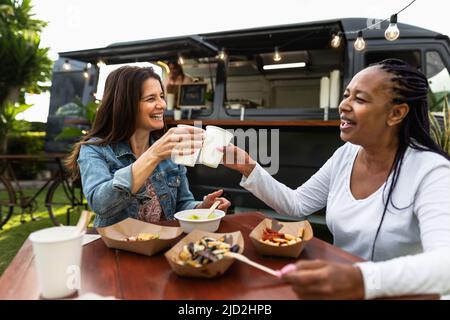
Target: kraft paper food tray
[292, 228]
[113, 235]
[210, 270]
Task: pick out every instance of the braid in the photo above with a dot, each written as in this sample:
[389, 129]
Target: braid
[410, 86]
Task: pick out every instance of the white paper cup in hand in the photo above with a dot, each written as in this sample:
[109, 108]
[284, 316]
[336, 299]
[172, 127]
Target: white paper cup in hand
[215, 137]
[186, 159]
[57, 253]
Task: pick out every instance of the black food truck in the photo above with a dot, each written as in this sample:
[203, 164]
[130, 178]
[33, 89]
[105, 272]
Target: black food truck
[292, 107]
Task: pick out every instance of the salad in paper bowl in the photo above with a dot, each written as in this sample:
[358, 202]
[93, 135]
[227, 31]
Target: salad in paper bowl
[203, 254]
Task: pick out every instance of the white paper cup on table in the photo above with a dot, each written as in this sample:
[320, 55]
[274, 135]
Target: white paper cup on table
[189, 159]
[57, 253]
[215, 137]
[170, 101]
[177, 114]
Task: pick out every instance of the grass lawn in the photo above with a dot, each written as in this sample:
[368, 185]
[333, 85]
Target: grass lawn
[14, 233]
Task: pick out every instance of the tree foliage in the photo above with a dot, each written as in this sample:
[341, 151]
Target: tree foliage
[25, 66]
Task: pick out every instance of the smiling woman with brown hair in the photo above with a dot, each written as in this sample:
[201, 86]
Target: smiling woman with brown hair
[386, 192]
[125, 161]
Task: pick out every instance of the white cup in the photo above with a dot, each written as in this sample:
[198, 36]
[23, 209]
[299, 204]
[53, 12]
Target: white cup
[215, 137]
[189, 159]
[170, 101]
[57, 253]
[177, 114]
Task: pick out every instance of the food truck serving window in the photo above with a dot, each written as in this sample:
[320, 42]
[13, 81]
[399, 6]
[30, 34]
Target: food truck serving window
[258, 81]
[200, 92]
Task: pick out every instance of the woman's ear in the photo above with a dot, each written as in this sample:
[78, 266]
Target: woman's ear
[397, 114]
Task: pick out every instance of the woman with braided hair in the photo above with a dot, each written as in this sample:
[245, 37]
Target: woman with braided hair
[386, 192]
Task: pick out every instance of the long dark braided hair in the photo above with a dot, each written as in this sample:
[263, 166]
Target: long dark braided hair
[410, 86]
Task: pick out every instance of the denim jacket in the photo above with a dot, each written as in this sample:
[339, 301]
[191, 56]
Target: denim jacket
[106, 178]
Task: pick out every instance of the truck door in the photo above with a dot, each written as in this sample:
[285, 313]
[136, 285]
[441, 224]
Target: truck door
[437, 66]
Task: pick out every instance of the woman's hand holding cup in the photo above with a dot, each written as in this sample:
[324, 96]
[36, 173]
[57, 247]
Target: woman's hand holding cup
[178, 141]
[237, 159]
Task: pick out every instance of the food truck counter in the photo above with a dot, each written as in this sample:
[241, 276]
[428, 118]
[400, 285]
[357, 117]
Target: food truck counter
[256, 123]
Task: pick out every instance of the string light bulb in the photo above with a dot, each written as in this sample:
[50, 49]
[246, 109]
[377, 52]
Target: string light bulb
[180, 59]
[66, 66]
[85, 73]
[336, 41]
[101, 63]
[360, 44]
[276, 55]
[222, 54]
[392, 32]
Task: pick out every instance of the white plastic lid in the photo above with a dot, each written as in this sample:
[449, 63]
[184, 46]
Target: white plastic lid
[54, 234]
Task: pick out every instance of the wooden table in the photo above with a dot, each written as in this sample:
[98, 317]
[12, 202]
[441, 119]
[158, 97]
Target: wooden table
[126, 275]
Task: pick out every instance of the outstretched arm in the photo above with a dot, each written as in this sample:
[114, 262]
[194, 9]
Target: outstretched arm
[306, 199]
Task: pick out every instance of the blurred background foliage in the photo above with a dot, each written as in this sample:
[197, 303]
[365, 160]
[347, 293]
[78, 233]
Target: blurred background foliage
[25, 67]
[440, 125]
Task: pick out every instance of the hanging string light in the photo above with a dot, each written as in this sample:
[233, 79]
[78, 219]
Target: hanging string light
[360, 44]
[222, 55]
[336, 41]
[392, 33]
[180, 59]
[101, 63]
[276, 55]
[85, 73]
[66, 66]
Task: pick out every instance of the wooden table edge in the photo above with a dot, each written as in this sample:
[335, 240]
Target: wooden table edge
[16, 264]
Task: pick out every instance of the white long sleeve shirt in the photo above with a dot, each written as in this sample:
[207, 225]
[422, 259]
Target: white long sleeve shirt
[412, 251]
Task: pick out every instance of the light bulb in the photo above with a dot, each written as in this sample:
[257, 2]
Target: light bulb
[392, 31]
[66, 66]
[101, 63]
[360, 44]
[85, 73]
[222, 54]
[276, 55]
[180, 60]
[336, 41]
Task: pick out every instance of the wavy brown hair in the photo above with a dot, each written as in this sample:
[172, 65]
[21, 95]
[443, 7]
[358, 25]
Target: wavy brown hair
[116, 117]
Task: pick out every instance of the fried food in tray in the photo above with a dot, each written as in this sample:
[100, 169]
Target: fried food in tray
[141, 237]
[279, 239]
[206, 250]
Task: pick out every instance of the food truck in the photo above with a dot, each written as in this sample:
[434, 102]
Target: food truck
[242, 87]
